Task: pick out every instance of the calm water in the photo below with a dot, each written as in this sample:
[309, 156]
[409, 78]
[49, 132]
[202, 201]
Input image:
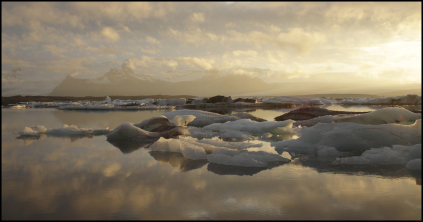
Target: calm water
[89, 178]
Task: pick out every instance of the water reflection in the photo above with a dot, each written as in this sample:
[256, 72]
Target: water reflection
[237, 170]
[93, 179]
[326, 166]
[177, 160]
[30, 139]
[130, 146]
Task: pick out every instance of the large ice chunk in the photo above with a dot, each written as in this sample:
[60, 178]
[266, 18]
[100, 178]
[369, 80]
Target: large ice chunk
[397, 155]
[257, 128]
[383, 116]
[352, 137]
[183, 120]
[203, 118]
[201, 133]
[66, 130]
[127, 131]
[188, 150]
[219, 152]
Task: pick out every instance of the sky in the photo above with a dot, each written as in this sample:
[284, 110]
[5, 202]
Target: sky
[276, 41]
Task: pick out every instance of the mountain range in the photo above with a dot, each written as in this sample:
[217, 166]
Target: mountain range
[124, 82]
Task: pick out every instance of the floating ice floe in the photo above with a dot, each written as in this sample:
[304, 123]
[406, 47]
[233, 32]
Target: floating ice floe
[201, 133]
[320, 119]
[113, 107]
[383, 116]
[253, 128]
[219, 152]
[66, 130]
[410, 99]
[128, 131]
[409, 156]
[20, 106]
[202, 118]
[351, 137]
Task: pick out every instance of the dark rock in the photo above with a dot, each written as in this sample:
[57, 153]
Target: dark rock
[215, 99]
[189, 106]
[245, 100]
[306, 113]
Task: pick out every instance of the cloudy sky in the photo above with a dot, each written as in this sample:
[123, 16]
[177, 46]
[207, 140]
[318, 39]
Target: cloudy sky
[276, 41]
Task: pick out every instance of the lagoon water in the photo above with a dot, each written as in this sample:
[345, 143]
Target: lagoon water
[74, 178]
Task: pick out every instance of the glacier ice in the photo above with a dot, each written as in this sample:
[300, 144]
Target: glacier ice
[128, 131]
[219, 152]
[395, 155]
[253, 127]
[352, 137]
[383, 116]
[203, 118]
[66, 130]
[188, 150]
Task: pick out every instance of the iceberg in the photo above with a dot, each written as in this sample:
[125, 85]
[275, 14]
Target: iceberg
[202, 118]
[219, 152]
[21, 106]
[383, 116]
[346, 137]
[187, 149]
[201, 133]
[156, 124]
[410, 99]
[255, 128]
[130, 132]
[397, 155]
[66, 130]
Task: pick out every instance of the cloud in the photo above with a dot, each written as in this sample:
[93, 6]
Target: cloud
[199, 62]
[110, 34]
[152, 40]
[150, 62]
[300, 40]
[197, 17]
[244, 53]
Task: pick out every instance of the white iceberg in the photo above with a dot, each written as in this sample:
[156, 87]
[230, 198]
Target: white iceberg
[202, 118]
[256, 128]
[397, 155]
[383, 116]
[201, 133]
[66, 130]
[187, 149]
[219, 152]
[352, 137]
[183, 120]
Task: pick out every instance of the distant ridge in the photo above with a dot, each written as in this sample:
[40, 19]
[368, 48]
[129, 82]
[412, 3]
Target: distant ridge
[122, 82]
